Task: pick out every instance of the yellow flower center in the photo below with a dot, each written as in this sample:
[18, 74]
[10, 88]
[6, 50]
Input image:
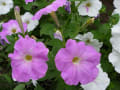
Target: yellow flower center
[3, 3]
[88, 4]
[14, 30]
[88, 41]
[76, 60]
[28, 57]
[27, 22]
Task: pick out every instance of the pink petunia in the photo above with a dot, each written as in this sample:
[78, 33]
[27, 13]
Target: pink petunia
[50, 8]
[77, 62]
[28, 61]
[9, 28]
[27, 1]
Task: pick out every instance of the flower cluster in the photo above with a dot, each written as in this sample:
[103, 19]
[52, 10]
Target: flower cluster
[71, 50]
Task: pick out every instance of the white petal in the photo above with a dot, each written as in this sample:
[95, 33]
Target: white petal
[116, 3]
[91, 11]
[114, 58]
[4, 9]
[100, 83]
[116, 30]
[115, 41]
[34, 82]
[116, 11]
[27, 17]
[88, 38]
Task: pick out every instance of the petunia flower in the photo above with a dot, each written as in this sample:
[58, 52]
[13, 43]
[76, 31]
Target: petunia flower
[89, 40]
[31, 24]
[27, 1]
[89, 7]
[116, 3]
[100, 83]
[5, 6]
[9, 28]
[77, 62]
[28, 61]
[50, 8]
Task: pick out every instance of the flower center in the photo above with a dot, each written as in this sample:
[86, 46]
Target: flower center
[27, 22]
[3, 3]
[87, 41]
[88, 4]
[76, 60]
[14, 30]
[28, 57]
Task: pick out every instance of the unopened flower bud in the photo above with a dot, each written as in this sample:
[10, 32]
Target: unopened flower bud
[58, 35]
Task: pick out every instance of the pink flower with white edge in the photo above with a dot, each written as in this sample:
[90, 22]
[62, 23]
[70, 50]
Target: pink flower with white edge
[50, 8]
[11, 27]
[27, 1]
[77, 62]
[28, 61]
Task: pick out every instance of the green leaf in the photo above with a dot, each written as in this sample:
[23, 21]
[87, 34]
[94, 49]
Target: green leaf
[114, 19]
[20, 87]
[47, 29]
[57, 44]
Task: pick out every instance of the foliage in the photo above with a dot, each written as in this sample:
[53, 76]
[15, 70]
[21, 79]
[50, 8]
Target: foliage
[71, 25]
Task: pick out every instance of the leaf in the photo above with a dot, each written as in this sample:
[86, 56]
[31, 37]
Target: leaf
[114, 19]
[20, 87]
[57, 44]
[47, 29]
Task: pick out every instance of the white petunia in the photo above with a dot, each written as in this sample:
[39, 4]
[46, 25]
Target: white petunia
[116, 3]
[89, 7]
[5, 6]
[115, 41]
[100, 83]
[116, 30]
[114, 58]
[88, 38]
[31, 24]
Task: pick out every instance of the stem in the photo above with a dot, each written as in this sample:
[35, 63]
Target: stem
[85, 25]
